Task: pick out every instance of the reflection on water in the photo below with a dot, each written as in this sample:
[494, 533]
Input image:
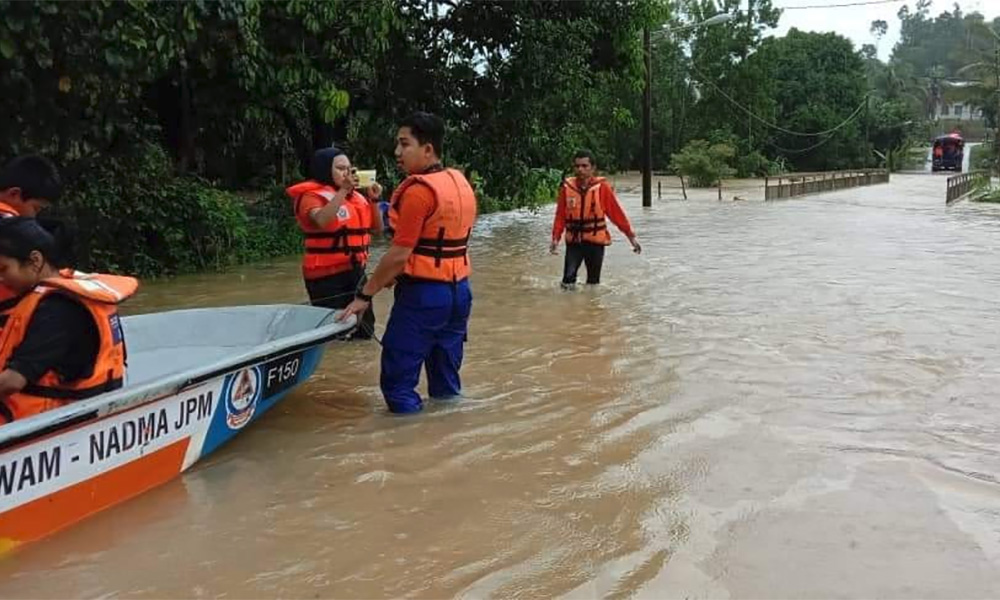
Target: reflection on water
[791, 399]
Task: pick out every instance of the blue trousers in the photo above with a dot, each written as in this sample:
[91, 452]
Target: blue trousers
[427, 328]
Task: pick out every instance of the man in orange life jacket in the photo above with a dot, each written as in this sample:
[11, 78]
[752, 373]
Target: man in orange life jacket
[63, 339]
[28, 185]
[432, 212]
[338, 223]
[581, 208]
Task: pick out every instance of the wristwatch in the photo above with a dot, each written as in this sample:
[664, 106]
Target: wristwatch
[362, 296]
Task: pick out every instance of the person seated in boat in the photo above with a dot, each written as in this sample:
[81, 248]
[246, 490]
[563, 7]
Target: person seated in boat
[28, 185]
[62, 341]
[338, 222]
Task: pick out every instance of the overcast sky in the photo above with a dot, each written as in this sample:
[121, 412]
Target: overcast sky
[853, 22]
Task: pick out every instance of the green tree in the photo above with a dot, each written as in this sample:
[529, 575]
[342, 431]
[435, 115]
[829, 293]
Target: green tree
[818, 85]
[721, 67]
[703, 163]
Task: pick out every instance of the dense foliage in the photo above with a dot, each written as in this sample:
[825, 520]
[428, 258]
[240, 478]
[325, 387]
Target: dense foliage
[175, 122]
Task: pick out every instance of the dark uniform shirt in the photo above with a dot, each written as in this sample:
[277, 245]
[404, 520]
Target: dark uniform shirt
[61, 337]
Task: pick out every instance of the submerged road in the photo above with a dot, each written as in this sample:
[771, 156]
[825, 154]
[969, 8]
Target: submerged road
[794, 399]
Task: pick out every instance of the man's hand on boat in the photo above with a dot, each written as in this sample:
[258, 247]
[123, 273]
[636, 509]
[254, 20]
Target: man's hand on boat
[393, 263]
[356, 307]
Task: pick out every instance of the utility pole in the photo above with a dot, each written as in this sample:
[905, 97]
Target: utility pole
[647, 124]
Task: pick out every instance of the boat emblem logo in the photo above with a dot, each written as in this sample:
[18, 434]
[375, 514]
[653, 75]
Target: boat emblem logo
[241, 394]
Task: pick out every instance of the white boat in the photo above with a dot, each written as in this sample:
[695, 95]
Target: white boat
[195, 379]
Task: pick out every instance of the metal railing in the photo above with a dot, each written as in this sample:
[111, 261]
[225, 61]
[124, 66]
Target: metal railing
[800, 184]
[960, 185]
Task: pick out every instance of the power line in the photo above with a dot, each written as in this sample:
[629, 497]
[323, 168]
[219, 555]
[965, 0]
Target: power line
[754, 115]
[844, 5]
[822, 141]
[800, 151]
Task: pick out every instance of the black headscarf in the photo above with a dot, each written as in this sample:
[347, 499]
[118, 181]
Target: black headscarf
[321, 166]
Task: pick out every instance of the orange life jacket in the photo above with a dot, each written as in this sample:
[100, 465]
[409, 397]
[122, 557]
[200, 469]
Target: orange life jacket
[100, 295]
[340, 246]
[442, 251]
[585, 223]
[6, 210]
[6, 294]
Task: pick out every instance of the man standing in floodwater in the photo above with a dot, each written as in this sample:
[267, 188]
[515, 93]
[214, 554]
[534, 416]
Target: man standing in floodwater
[431, 213]
[581, 207]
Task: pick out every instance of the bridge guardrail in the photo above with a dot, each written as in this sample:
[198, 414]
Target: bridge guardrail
[961, 185]
[800, 184]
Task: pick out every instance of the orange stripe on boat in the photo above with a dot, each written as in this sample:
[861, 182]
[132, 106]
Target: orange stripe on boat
[62, 508]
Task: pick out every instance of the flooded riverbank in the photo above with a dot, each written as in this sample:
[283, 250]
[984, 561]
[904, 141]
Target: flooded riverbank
[783, 400]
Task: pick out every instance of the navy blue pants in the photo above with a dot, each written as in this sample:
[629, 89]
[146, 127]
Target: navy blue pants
[427, 328]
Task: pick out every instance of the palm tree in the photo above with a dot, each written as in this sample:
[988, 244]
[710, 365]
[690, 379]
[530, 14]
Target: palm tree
[984, 76]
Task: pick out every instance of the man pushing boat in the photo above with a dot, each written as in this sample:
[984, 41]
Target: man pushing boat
[431, 213]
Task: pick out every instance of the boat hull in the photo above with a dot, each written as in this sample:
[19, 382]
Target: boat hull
[64, 473]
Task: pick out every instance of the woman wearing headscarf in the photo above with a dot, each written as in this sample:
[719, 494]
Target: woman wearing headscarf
[337, 220]
[62, 340]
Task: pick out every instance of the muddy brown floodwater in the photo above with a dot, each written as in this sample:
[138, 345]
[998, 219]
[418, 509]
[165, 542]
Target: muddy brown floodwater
[795, 399]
